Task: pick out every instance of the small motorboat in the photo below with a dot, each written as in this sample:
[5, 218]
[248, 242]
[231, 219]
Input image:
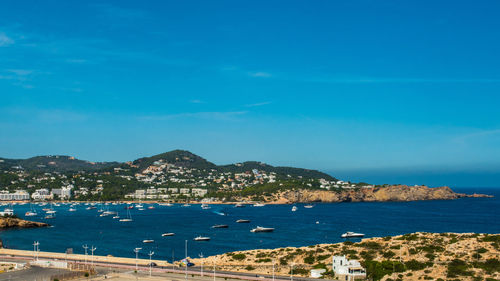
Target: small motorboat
[201, 238]
[242, 221]
[309, 206]
[49, 217]
[148, 241]
[262, 229]
[220, 226]
[30, 214]
[350, 234]
[116, 217]
[259, 205]
[125, 220]
[72, 209]
[294, 208]
[239, 205]
[168, 234]
[151, 207]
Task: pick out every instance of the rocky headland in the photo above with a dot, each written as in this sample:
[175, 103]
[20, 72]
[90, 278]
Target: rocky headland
[373, 194]
[10, 222]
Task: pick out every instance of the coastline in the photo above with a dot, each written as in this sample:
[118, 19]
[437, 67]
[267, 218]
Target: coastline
[394, 193]
[414, 255]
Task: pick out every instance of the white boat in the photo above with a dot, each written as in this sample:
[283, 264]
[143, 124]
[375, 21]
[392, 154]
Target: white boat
[259, 205]
[129, 217]
[166, 204]
[116, 217]
[239, 205]
[151, 207]
[294, 208]
[148, 241]
[242, 221]
[31, 212]
[205, 207]
[168, 234]
[51, 212]
[72, 209]
[350, 234]
[309, 206]
[262, 229]
[186, 205]
[201, 238]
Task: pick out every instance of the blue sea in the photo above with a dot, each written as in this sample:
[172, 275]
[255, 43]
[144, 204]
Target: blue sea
[322, 224]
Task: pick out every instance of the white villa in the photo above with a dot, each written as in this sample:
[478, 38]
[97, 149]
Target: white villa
[347, 269]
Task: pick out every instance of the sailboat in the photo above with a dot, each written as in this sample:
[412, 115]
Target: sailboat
[129, 217]
[31, 212]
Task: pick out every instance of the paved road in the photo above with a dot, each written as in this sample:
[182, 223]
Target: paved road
[177, 270]
[31, 274]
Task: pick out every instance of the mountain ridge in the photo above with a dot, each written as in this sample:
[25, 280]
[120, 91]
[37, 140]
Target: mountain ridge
[178, 157]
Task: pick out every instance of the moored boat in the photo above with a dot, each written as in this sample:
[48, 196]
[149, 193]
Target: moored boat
[201, 238]
[168, 234]
[220, 226]
[262, 229]
[242, 221]
[350, 234]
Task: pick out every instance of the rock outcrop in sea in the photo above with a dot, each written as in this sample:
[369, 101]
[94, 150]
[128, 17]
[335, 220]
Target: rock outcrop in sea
[8, 222]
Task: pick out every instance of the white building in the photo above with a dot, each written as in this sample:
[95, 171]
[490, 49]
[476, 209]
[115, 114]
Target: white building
[62, 193]
[18, 195]
[41, 194]
[199, 192]
[348, 270]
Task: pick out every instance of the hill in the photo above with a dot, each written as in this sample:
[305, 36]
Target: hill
[179, 158]
[53, 163]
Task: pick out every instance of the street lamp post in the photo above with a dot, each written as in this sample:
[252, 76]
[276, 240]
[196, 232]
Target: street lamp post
[85, 247]
[273, 268]
[92, 249]
[291, 272]
[136, 250]
[201, 256]
[186, 269]
[215, 260]
[35, 250]
[151, 253]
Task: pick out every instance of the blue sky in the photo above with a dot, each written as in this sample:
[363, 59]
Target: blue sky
[355, 88]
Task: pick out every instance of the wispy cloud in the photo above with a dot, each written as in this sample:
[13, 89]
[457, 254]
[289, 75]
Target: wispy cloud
[260, 74]
[196, 101]
[5, 40]
[258, 104]
[215, 115]
[481, 134]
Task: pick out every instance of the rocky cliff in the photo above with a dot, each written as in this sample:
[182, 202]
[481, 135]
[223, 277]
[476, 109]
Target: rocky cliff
[379, 194]
[16, 222]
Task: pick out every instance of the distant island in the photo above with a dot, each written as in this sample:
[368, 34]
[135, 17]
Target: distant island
[181, 176]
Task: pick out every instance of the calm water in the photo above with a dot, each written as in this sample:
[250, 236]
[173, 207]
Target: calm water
[73, 229]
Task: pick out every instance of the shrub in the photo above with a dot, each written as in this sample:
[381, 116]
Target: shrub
[371, 245]
[415, 265]
[239, 257]
[249, 268]
[388, 254]
[458, 268]
[309, 259]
